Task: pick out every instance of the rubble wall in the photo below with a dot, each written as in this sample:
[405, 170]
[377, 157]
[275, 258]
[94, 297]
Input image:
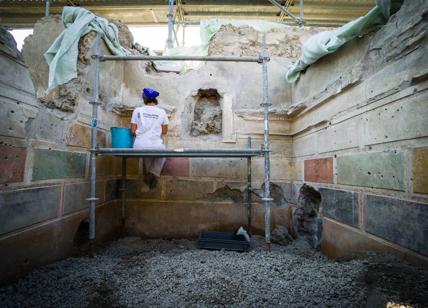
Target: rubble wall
[44, 161]
[362, 138]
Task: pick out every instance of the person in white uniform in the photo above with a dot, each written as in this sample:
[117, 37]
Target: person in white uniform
[148, 124]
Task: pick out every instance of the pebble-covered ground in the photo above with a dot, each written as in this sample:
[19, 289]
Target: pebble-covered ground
[173, 273]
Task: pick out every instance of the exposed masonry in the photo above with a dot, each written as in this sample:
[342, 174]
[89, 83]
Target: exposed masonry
[239, 196]
[307, 221]
[207, 114]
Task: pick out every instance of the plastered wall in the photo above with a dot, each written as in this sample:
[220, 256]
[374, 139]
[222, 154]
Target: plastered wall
[363, 138]
[44, 168]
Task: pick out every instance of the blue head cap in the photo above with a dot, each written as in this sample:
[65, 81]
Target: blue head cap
[149, 93]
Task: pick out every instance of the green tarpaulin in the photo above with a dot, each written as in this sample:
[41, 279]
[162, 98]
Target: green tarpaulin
[62, 55]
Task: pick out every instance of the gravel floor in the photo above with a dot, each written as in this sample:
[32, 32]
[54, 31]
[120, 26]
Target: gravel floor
[134, 273]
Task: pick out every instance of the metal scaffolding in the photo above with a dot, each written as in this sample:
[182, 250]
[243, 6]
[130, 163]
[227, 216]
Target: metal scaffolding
[248, 152]
[47, 7]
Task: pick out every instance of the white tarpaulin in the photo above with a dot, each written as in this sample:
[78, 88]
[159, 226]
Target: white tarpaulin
[327, 42]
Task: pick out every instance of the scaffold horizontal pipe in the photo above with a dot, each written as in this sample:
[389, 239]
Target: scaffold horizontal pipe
[182, 58]
[180, 153]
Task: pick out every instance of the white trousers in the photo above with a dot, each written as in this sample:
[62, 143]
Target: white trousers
[153, 165]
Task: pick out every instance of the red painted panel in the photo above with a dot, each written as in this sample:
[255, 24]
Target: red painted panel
[12, 163]
[176, 166]
[319, 170]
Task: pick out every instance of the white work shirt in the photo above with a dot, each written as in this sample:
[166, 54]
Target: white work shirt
[149, 120]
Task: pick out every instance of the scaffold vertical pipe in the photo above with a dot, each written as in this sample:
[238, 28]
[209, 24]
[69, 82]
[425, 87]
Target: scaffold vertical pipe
[266, 147]
[302, 13]
[169, 42]
[93, 165]
[123, 190]
[249, 205]
[47, 7]
[183, 28]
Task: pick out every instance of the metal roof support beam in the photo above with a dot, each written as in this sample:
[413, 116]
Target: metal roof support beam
[285, 11]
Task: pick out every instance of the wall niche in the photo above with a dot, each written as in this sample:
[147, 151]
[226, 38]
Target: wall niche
[207, 113]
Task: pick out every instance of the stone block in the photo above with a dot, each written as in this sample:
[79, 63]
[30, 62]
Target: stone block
[420, 170]
[280, 169]
[15, 74]
[53, 241]
[112, 190]
[48, 127]
[75, 196]
[22, 208]
[181, 219]
[340, 205]
[410, 114]
[132, 166]
[227, 168]
[245, 125]
[80, 136]
[306, 145]
[282, 145]
[53, 164]
[379, 170]
[343, 135]
[319, 170]
[297, 167]
[105, 165]
[135, 189]
[12, 119]
[339, 240]
[175, 189]
[176, 166]
[399, 221]
[12, 162]
[101, 139]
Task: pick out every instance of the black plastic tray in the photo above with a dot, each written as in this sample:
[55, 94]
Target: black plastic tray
[222, 240]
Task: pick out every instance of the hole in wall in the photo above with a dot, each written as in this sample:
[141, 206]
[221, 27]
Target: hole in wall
[307, 220]
[81, 238]
[207, 114]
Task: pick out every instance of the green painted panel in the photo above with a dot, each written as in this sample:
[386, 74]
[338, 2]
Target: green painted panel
[53, 164]
[378, 170]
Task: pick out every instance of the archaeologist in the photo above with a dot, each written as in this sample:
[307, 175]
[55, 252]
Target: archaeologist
[148, 124]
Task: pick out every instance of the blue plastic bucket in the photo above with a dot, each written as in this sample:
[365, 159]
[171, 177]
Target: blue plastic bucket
[121, 137]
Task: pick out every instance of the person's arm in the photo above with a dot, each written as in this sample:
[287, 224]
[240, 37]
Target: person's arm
[133, 129]
[165, 123]
[134, 123]
[164, 129]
